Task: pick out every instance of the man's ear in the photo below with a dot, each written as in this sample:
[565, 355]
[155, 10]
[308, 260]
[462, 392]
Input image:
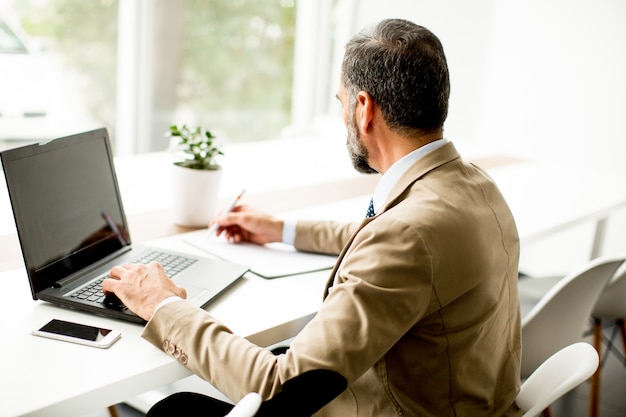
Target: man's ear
[364, 111]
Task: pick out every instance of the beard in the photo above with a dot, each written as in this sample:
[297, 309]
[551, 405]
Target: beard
[358, 152]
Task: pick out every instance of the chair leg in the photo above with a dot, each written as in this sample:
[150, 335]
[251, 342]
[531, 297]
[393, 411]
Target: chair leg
[622, 327]
[594, 401]
[113, 411]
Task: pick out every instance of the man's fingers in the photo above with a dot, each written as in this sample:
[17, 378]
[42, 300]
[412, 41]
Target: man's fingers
[119, 270]
[115, 272]
[154, 264]
[109, 285]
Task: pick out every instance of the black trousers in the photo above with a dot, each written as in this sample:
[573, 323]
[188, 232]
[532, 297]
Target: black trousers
[301, 396]
[189, 404]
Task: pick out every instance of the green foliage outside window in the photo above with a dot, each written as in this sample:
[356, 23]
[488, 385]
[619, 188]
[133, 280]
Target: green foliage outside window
[235, 72]
[238, 61]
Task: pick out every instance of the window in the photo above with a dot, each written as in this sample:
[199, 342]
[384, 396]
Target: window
[138, 66]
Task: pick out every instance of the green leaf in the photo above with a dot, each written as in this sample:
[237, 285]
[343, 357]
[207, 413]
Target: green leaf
[198, 143]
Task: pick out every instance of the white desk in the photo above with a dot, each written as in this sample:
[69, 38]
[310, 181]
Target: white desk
[43, 377]
[546, 199]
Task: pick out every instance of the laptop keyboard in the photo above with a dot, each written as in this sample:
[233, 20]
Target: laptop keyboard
[172, 264]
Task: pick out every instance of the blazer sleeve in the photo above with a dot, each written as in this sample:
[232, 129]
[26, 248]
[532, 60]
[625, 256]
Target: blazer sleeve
[323, 236]
[359, 321]
[209, 349]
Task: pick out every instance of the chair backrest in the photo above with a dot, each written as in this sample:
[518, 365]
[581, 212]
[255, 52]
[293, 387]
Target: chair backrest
[247, 406]
[559, 374]
[561, 315]
[612, 301]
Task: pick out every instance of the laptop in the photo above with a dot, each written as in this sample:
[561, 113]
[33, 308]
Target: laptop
[72, 227]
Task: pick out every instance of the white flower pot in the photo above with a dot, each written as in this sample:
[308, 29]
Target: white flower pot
[195, 195]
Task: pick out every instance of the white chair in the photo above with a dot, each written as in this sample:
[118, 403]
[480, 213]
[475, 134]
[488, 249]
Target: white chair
[247, 406]
[556, 376]
[562, 314]
[611, 306]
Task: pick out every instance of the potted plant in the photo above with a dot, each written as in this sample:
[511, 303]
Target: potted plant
[197, 178]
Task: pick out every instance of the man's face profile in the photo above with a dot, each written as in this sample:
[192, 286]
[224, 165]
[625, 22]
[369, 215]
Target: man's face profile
[357, 151]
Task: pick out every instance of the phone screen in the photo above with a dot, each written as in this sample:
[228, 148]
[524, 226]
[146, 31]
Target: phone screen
[79, 331]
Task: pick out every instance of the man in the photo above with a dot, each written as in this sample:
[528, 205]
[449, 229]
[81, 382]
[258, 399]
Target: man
[421, 313]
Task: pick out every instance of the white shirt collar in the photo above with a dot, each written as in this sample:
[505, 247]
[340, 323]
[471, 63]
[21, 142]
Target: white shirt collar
[393, 174]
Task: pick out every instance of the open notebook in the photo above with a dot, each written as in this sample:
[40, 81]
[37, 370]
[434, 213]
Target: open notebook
[274, 260]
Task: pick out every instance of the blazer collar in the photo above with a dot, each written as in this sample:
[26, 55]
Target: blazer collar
[421, 167]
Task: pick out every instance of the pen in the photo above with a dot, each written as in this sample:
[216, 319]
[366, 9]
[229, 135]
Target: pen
[230, 208]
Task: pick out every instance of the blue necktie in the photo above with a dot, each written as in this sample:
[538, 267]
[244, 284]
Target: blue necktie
[370, 209]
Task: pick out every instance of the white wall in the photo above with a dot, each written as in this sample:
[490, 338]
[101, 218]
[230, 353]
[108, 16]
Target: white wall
[538, 78]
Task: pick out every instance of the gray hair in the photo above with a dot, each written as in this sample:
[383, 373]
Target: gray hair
[403, 68]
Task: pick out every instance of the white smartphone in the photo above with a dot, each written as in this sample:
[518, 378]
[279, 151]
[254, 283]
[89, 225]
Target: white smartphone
[78, 333]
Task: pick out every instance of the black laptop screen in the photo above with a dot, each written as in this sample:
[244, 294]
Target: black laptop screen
[66, 205]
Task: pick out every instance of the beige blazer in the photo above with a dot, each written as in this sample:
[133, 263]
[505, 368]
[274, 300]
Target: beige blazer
[420, 314]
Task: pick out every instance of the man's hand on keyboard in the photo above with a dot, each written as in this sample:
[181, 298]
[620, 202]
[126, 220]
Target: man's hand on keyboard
[141, 287]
